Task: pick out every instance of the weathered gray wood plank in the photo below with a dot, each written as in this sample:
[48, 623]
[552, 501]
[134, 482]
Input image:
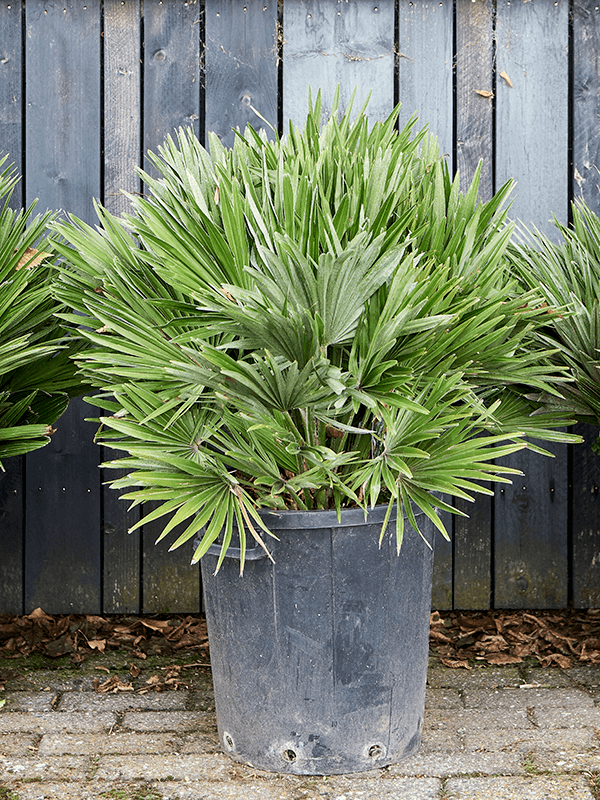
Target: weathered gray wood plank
[11, 536]
[11, 90]
[62, 515]
[171, 69]
[532, 115]
[531, 536]
[169, 583]
[62, 135]
[171, 99]
[474, 74]
[425, 66]
[122, 102]
[586, 520]
[122, 154]
[327, 43]
[62, 141]
[240, 61]
[473, 554]
[585, 178]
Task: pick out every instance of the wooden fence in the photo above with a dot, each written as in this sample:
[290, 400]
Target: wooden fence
[86, 88]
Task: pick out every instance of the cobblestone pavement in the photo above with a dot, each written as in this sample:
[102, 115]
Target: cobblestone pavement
[492, 733]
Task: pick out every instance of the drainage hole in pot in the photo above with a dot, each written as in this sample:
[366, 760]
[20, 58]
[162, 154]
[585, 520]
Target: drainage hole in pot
[229, 743]
[289, 755]
[376, 751]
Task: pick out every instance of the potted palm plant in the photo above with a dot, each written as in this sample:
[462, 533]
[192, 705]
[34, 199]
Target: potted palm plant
[37, 375]
[568, 275]
[305, 347]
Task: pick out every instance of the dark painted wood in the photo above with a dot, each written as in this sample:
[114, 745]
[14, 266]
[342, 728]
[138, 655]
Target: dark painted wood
[586, 520]
[531, 121]
[585, 179]
[62, 514]
[62, 139]
[474, 80]
[171, 69]
[11, 89]
[425, 64]
[327, 43]
[122, 154]
[442, 581]
[531, 533]
[172, 92]
[12, 521]
[62, 134]
[240, 61]
[472, 578]
[169, 583]
[122, 101]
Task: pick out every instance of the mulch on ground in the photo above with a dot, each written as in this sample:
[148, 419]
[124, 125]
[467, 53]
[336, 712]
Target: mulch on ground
[552, 638]
[460, 639]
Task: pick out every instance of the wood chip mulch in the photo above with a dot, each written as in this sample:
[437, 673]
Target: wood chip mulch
[548, 638]
[460, 639]
[79, 636]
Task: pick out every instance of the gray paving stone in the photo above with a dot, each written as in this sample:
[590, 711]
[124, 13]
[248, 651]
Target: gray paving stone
[52, 722]
[442, 765]
[441, 740]
[587, 675]
[549, 676]
[478, 719]
[571, 787]
[538, 739]
[206, 741]
[17, 744]
[31, 701]
[443, 698]
[527, 698]
[166, 720]
[15, 768]
[479, 678]
[567, 762]
[567, 718]
[167, 767]
[59, 791]
[123, 701]
[334, 789]
[120, 742]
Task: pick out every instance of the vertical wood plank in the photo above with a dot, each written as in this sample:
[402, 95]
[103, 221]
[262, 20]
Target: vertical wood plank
[241, 66]
[531, 550]
[442, 579]
[474, 73]
[62, 139]
[585, 178]
[586, 520]
[11, 481]
[473, 555]
[327, 43]
[171, 99]
[122, 102]
[532, 115]
[122, 151]
[170, 584]
[425, 35]
[11, 90]
[62, 542]
[11, 536]
[171, 69]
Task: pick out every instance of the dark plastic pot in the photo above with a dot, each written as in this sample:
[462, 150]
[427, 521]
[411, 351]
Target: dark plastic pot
[319, 660]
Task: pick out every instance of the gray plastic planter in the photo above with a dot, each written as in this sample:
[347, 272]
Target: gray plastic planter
[319, 661]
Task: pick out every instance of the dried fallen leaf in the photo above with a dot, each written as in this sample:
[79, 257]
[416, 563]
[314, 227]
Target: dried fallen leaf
[97, 644]
[455, 663]
[484, 93]
[503, 658]
[504, 75]
[32, 258]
